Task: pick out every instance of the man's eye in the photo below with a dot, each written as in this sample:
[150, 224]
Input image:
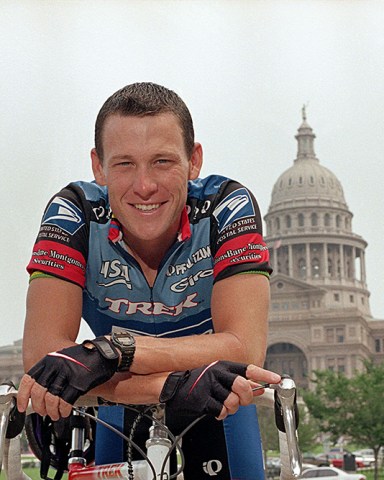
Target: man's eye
[162, 161]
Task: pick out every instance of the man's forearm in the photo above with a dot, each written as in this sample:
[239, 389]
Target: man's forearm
[135, 389]
[183, 353]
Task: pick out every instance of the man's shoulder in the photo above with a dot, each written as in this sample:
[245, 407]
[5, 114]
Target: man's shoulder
[90, 190]
[205, 187]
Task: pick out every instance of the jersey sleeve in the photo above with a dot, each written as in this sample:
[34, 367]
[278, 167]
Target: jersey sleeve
[237, 234]
[61, 247]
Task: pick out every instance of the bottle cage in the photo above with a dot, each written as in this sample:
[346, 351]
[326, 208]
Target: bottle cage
[50, 442]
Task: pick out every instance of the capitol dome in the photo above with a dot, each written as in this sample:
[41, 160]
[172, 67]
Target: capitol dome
[307, 181]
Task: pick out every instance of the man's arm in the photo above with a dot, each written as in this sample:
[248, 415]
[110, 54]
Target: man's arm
[239, 308]
[52, 318]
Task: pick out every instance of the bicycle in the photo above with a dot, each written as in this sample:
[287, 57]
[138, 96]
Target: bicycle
[160, 444]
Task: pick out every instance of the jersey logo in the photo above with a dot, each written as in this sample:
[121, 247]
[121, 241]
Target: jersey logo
[64, 214]
[236, 206]
[212, 467]
[115, 273]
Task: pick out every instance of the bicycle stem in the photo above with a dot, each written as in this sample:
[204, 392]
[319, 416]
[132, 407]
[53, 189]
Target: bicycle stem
[286, 392]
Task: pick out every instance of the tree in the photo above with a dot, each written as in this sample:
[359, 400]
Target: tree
[350, 406]
[308, 430]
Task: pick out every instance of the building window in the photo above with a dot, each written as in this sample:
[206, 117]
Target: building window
[340, 334]
[334, 334]
[288, 222]
[277, 222]
[327, 220]
[302, 268]
[300, 220]
[336, 364]
[377, 345]
[351, 298]
[338, 221]
[336, 297]
[315, 268]
[314, 219]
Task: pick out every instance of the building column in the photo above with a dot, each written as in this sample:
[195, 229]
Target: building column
[290, 260]
[362, 266]
[353, 266]
[274, 266]
[341, 258]
[308, 260]
[325, 260]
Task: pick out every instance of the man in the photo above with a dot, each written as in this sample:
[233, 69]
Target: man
[150, 247]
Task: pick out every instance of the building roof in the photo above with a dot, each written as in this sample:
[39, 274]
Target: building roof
[307, 179]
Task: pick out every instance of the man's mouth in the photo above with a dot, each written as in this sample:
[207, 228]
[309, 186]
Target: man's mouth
[147, 207]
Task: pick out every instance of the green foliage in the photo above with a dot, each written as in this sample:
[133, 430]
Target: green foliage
[352, 407]
[307, 431]
[268, 430]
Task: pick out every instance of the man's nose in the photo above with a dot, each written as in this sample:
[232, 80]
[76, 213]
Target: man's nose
[144, 183]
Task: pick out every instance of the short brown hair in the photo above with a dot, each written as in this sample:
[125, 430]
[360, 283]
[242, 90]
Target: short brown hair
[145, 98]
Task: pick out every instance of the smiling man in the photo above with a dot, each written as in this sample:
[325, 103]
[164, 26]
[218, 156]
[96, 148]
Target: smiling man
[169, 270]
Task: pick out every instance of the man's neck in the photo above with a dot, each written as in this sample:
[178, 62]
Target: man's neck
[148, 255]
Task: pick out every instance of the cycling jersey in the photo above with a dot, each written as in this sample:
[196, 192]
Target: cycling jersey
[220, 235]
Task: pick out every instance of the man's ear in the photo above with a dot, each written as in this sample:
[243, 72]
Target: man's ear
[195, 162]
[97, 168]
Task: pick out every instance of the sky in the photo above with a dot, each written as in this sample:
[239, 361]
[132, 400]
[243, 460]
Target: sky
[244, 68]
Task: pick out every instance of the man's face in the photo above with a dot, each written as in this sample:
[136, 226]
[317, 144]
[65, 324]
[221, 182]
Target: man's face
[146, 169]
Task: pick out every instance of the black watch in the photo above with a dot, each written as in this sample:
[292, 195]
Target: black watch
[125, 343]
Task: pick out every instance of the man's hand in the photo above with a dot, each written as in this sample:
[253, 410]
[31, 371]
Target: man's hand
[60, 378]
[217, 389]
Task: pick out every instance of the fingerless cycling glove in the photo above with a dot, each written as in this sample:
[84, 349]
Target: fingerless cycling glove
[201, 390]
[73, 371]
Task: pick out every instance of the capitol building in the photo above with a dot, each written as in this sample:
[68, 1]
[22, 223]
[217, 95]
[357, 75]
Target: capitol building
[320, 315]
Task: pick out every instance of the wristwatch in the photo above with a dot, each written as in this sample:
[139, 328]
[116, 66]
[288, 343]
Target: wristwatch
[125, 343]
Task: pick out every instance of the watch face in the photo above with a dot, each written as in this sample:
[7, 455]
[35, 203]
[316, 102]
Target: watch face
[124, 339]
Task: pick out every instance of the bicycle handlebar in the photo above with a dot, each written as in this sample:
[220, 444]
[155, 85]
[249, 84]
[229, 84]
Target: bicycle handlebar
[282, 396]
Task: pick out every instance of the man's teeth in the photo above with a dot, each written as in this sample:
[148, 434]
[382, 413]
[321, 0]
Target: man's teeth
[147, 208]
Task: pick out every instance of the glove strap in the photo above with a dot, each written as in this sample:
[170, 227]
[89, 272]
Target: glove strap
[172, 383]
[105, 347]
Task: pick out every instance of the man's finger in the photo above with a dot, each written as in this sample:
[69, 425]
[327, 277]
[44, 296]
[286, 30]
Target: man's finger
[24, 392]
[258, 374]
[65, 408]
[38, 399]
[232, 403]
[52, 406]
[242, 388]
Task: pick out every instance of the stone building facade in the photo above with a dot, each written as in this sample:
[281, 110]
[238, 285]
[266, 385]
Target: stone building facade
[320, 315]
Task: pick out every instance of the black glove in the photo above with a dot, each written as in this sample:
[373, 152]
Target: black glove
[201, 390]
[73, 371]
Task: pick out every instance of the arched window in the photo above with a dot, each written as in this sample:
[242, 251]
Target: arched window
[330, 267]
[277, 223]
[315, 268]
[314, 219]
[288, 222]
[300, 220]
[302, 268]
[327, 220]
[338, 221]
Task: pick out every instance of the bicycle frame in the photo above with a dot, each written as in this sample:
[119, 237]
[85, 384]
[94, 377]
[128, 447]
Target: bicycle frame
[156, 467]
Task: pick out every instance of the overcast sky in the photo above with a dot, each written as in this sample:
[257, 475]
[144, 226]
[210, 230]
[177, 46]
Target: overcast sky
[245, 68]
